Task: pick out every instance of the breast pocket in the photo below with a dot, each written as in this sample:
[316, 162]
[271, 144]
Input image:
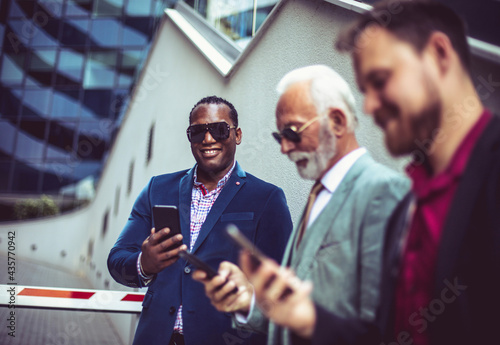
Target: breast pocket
[232, 217]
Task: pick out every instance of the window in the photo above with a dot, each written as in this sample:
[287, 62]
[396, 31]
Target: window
[13, 68]
[130, 177]
[99, 71]
[109, 26]
[150, 143]
[117, 200]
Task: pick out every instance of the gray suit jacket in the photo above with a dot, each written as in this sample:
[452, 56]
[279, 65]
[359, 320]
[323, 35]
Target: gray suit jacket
[341, 250]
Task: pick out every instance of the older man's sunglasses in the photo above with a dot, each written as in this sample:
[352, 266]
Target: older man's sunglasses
[218, 130]
[292, 133]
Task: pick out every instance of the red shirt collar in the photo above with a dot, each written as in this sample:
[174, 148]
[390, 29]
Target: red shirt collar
[425, 184]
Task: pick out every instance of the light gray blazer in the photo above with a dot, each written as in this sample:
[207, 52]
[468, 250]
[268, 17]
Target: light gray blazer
[342, 249]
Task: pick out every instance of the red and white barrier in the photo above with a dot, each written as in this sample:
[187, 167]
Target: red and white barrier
[72, 299]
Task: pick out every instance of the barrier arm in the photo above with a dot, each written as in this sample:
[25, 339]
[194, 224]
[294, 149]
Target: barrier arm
[19, 296]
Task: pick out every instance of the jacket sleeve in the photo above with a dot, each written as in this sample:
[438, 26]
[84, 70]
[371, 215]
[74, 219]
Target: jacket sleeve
[274, 226]
[333, 330]
[122, 259]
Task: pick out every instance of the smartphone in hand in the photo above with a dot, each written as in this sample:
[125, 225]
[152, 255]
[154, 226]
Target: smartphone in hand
[198, 264]
[167, 216]
[256, 256]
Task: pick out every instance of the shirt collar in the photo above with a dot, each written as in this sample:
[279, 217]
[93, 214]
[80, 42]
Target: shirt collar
[424, 184]
[331, 180]
[222, 182]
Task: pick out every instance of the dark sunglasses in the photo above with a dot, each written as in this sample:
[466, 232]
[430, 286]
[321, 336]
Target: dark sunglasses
[218, 130]
[292, 133]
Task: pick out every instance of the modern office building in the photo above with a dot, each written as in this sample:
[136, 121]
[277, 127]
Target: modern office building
[67, 68]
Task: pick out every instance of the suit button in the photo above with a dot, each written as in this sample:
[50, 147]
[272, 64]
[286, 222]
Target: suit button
[187, 270]
[171, 310]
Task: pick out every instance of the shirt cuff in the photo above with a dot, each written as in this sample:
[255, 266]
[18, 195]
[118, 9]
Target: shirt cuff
[145, 278]
[243, 319]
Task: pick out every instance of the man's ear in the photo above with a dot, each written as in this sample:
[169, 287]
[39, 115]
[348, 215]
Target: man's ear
[441, 50]
[239, 135]
[338, 121]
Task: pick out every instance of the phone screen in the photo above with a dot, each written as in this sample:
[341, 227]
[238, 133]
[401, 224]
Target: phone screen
[167, 216]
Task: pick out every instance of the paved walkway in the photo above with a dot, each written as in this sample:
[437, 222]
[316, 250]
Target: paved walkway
[54, 327]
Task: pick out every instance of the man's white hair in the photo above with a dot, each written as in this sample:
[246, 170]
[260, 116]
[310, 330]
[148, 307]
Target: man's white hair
[328, 90]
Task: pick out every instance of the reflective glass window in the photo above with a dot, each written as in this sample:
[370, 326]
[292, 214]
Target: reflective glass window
[2, 31]
[41, 66]
[12, 68]
[19, 32]
[86, 168]
[118, 102]
[26, 176]
[78, 8]
[108, 7]
[65, 104]
[36, 128]
[38, 102]
[15, 10]
[97, 103]
[105, 32]
[99, 71]
[28, 147]
[45, 34]
[5, 167]
[132, 37]
[71, 64]
[10, 100]
[7, 133]
[62, 135]
[93, 139]
[55, 153]
[138, 8]
[53, 7]
[57, 175]
[74, 32]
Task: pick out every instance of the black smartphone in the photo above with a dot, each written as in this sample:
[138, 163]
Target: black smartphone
[256, 256]
[167, 216]
[198, 264]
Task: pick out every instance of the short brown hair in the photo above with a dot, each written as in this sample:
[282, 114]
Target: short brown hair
[412, 21]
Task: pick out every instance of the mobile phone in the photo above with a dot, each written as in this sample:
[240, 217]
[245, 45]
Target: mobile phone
[167, 216]
[199, 264]
[256, 256]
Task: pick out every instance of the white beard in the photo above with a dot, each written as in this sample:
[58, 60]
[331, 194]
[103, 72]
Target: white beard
[317, 161]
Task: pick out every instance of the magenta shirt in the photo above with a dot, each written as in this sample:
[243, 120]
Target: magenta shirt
[434, 194]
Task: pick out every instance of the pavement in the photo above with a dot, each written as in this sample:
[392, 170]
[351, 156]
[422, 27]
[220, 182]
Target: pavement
[53, 327]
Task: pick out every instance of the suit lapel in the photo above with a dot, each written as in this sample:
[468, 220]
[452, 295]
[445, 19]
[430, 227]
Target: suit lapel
[185, 191]
[458, 218]
[233, 185]
[313, 237]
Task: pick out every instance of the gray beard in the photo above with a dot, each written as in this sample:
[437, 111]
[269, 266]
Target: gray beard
[317, 161]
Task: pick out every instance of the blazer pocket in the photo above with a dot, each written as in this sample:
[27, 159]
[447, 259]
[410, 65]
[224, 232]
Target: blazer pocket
[328, 249]
[230, 217]
[147, 299]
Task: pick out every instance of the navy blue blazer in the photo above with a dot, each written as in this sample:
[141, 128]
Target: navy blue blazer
[259, 210]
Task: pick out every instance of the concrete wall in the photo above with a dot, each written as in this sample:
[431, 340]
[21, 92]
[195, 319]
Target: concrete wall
[174, 79]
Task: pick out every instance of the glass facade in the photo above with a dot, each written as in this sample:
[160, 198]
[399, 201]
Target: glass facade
[66, 70]
[238, 20]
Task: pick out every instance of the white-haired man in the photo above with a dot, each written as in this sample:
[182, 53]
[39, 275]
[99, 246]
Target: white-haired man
[337, 243]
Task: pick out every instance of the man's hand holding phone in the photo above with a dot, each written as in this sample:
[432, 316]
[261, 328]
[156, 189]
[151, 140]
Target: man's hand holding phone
[229, 291]
[157, 253]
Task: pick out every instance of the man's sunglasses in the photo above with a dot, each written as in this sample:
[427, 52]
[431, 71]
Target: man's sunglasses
[218, 130]
[292, 133]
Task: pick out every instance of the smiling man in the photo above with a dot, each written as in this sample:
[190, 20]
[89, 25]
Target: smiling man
[214, 193]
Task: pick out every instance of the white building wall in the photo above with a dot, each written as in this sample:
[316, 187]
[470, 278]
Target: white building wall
[174, 79]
